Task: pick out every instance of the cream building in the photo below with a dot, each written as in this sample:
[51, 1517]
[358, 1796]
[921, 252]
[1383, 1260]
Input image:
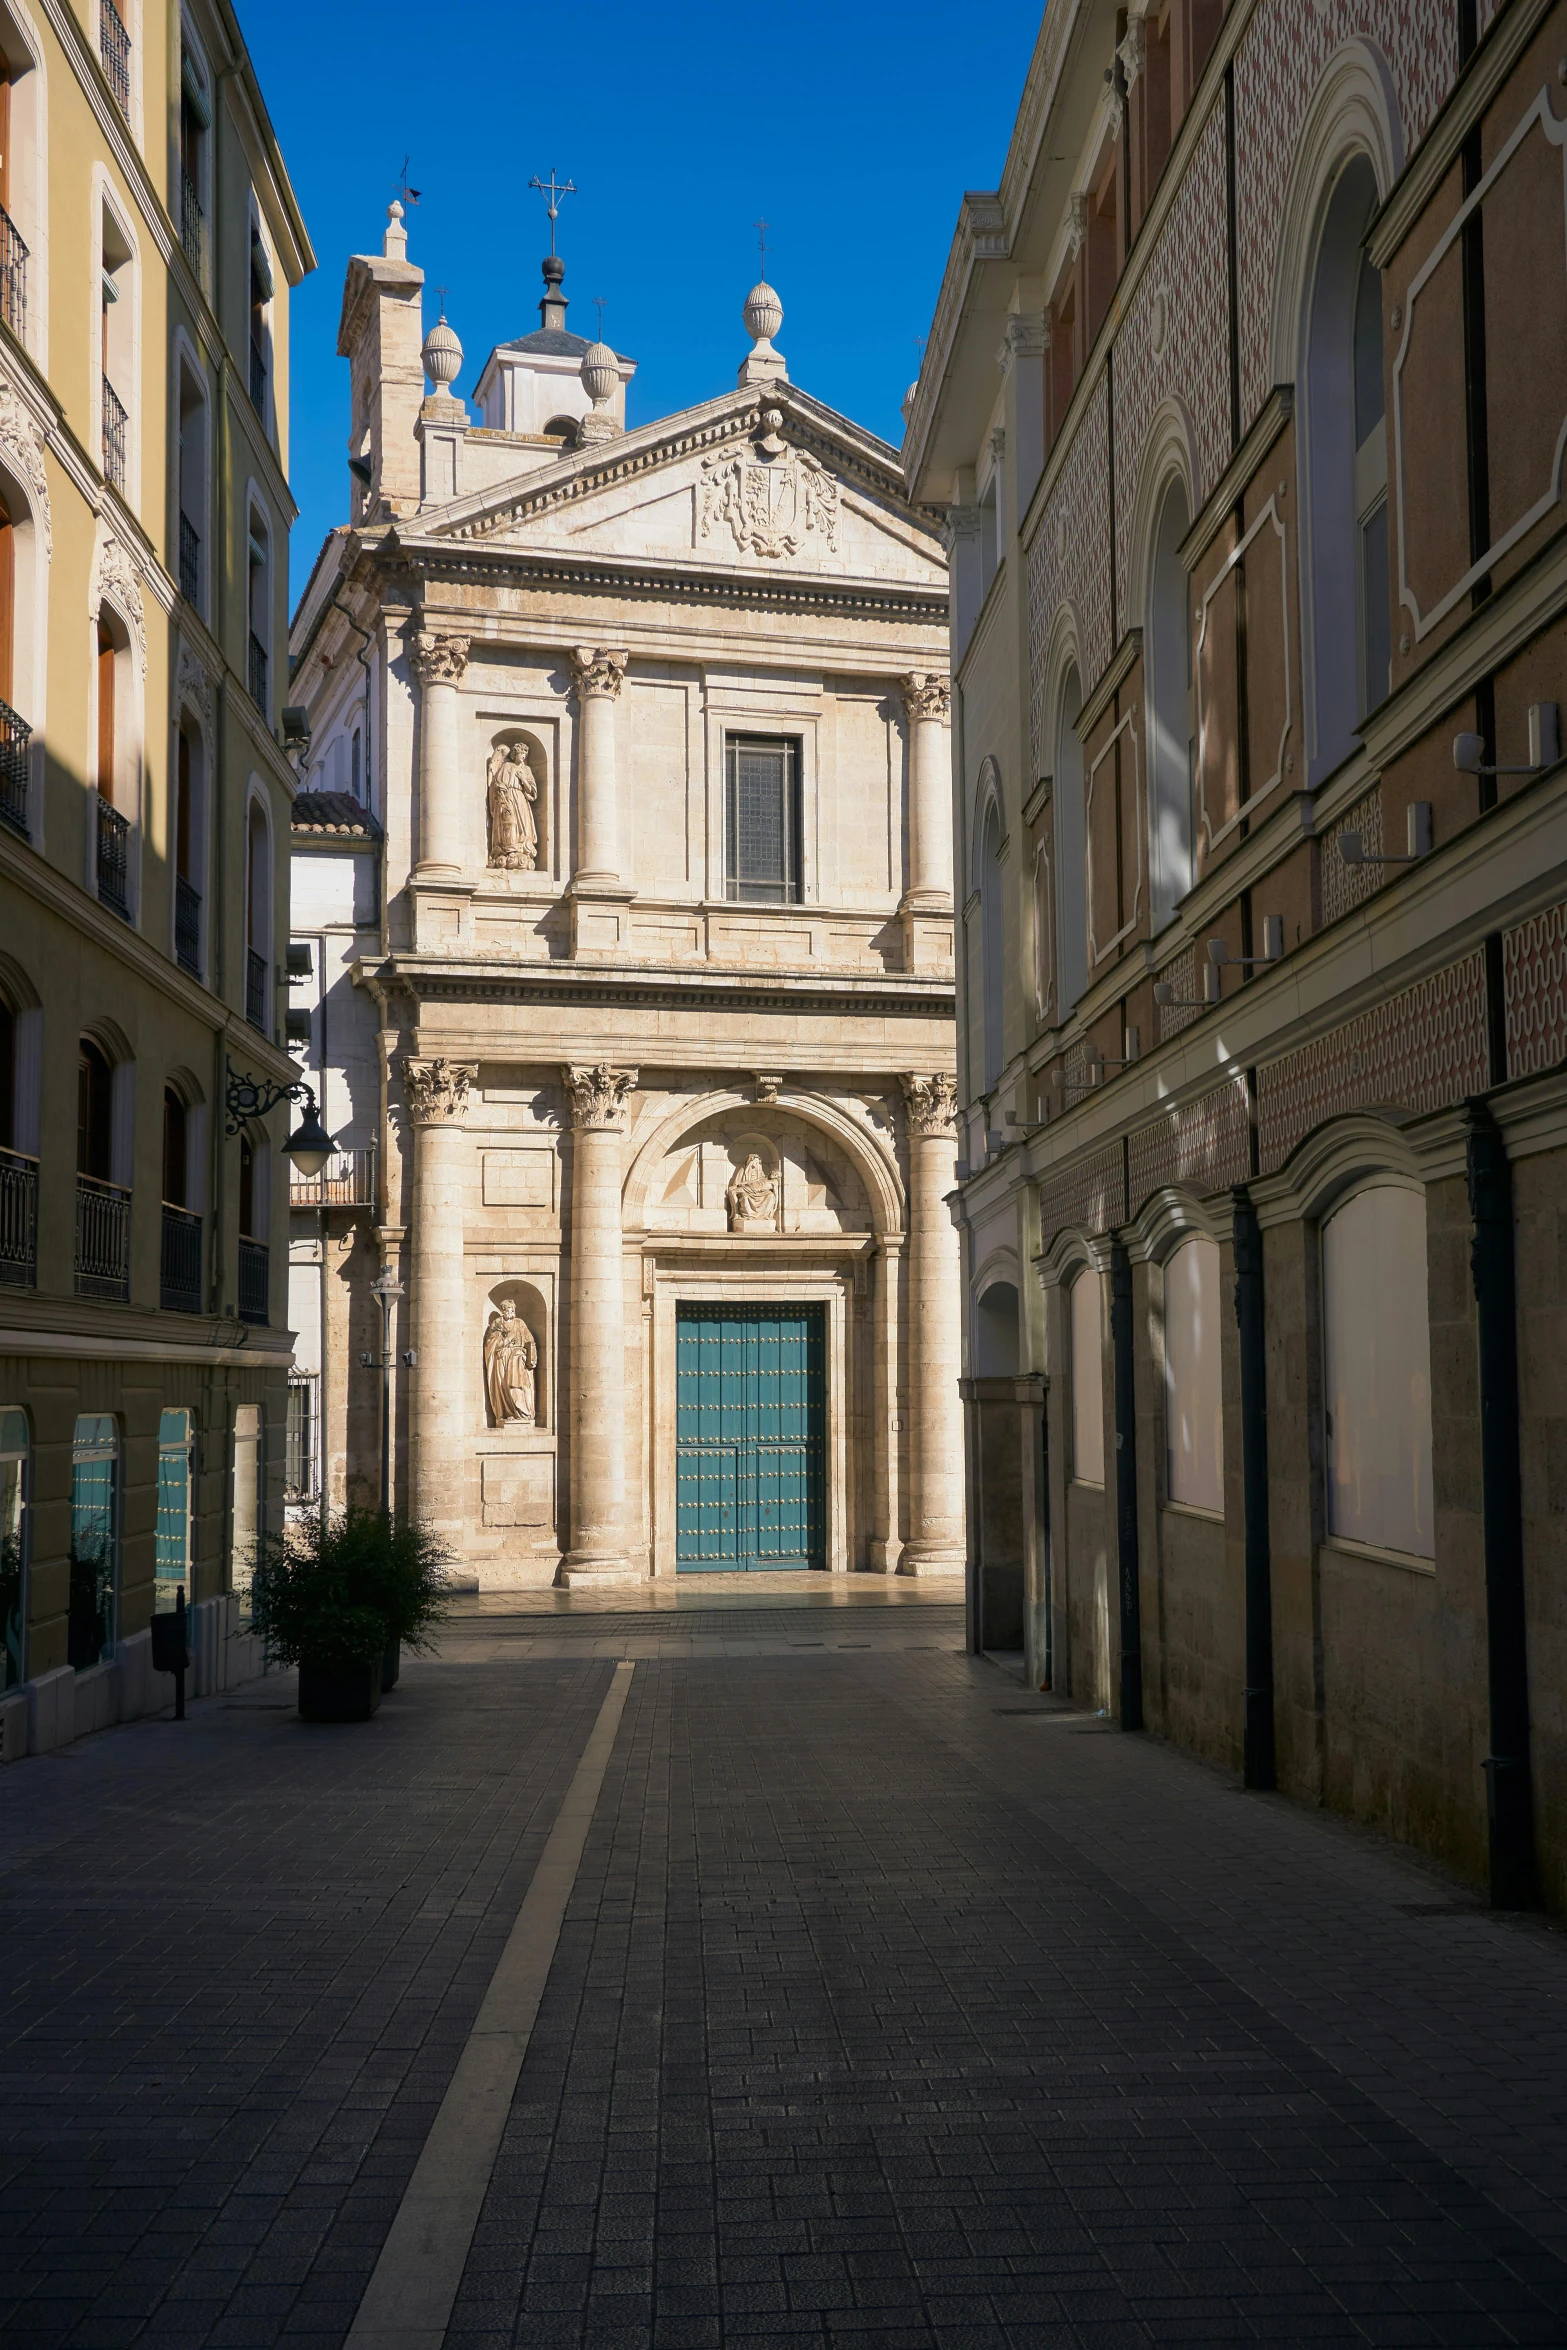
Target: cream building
[148, 242]
[624, 883]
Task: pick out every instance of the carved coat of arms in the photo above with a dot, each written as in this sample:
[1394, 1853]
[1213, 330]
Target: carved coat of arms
[768, 494]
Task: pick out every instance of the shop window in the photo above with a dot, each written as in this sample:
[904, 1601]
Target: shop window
[13, 1542]
[1376, 1336]
[1193, 1409]
[246, 1512]
[1088, 1403]
[172, 1546]
[95, 1540]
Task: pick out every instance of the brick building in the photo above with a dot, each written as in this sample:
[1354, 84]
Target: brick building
[1244, 399]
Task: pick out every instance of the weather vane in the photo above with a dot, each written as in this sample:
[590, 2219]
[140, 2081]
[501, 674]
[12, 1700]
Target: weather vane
[409, 195]
[554, 190]
[761, 228]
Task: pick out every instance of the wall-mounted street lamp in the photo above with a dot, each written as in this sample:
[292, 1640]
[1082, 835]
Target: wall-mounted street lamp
[309, 1146]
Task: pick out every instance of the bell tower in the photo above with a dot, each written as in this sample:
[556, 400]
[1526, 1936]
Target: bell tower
[379, 335]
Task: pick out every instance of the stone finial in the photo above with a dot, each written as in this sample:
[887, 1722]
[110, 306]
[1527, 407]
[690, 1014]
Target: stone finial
[442, 357]
[596, 1094]
[932, 1104]
[600, 379]
[763, 316]
[437, 660]
[926, 695]
[394, 244]
[437, 1091]
[598, 669]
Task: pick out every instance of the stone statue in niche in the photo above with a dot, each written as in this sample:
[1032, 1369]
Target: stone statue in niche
[510, 1367]
[751, 1196]
[513, 794]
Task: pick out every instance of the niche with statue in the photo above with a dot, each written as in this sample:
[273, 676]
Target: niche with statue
[516, 776]
[732, 1174]
[515, 1354]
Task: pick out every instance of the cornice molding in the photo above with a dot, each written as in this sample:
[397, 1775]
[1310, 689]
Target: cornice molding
[451, 561]
[458, 981]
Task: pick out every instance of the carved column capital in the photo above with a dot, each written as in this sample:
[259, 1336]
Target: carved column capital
[932, 1105]
[437, 1091]
[598, 670]
[926, 695]
[437, 660]
[1131, 50]
[1079, 229]
[596, 1096]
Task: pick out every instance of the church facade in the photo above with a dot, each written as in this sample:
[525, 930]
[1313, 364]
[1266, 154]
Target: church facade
[623, 955]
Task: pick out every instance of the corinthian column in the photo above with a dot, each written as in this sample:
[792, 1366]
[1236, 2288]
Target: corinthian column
[935, 1544]
[598, 676]
[927, 701]
[438, 663]
[596, 1100]
[437, 1097]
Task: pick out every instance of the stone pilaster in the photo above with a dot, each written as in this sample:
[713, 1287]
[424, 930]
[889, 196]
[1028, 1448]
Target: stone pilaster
[935, 1545]
[438, 662]
[436, 1092]
[927, 902]
[597, 675]
[596, 1346]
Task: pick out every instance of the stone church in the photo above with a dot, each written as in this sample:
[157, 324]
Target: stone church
[622, 960]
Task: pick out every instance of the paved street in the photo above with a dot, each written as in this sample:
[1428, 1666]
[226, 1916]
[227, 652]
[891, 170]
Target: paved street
[892, 2006]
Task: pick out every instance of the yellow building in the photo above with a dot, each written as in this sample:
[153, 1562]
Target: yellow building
[148, 241]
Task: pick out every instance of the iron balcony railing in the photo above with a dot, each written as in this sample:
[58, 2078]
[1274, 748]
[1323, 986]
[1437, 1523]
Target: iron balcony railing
[18, 1219]
[13, 276]
[114, 44]
[103, 1238]
[190, 560]
[193, 225]
[258, 378]
[114, 859]
[179, 1264]
[253, 1280]
[258, 673]
[15, 737]
[256, 990]
[116, 418]
[346, 1181]
[187, 926]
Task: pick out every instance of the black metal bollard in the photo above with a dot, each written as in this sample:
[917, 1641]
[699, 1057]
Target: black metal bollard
[171, 1651]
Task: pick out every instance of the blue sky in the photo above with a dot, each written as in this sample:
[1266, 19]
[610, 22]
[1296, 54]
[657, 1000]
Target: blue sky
[854, 130]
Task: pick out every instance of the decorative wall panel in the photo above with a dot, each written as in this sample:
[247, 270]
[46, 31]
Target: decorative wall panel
[1534, 991]
[1277, 68]
[1069, 562]
[1090, 1196]
[1205, 1145]
[1181, 972]
[1175, 343]
[1424, 1049]
[1346, 886]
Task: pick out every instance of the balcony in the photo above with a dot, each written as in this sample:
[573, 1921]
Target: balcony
[258, 673]
[114, 860]
[253, 1280]
[187, 926]
[193, 227]
[258, 379]
[15, 737]
[116, 420]
[18, 1220]
[13, 276]
[256, 990]
[346, 1181]
[114, 46]
[190, 560]
[103, 1239]
[179, 1266]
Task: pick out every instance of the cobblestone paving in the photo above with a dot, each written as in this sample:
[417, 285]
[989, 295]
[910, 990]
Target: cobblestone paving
[892, 2007]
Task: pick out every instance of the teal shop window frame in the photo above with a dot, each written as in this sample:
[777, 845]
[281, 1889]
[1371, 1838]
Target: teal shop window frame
[92, 1622]
[172, 1567]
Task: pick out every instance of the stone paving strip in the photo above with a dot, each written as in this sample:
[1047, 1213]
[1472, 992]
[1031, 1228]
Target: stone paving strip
[890, 2006]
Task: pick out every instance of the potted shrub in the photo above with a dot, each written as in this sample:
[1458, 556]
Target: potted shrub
[335, 1593]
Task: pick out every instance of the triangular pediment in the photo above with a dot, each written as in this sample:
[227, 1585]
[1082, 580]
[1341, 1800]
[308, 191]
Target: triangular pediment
[748, 483]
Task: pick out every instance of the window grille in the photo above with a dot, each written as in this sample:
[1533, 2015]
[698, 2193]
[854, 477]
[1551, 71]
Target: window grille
[762, 820]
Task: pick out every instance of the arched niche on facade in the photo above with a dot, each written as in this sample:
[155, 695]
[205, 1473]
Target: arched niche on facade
[517, 1392]
[996, 1329]
[834, 1175]
[516, 801]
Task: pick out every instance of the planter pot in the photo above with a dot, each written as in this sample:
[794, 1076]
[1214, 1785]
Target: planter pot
[339, 1693]
[391, 1665]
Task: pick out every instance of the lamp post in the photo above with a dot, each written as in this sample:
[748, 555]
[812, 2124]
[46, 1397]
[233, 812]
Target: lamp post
[386, 1289]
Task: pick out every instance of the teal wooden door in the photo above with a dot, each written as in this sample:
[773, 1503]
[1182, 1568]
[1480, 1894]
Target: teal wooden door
[750, 1414]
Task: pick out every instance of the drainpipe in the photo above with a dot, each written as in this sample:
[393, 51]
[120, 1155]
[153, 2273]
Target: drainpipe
[1126, 1486]
[1258, 1759]
[1509, 1788]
